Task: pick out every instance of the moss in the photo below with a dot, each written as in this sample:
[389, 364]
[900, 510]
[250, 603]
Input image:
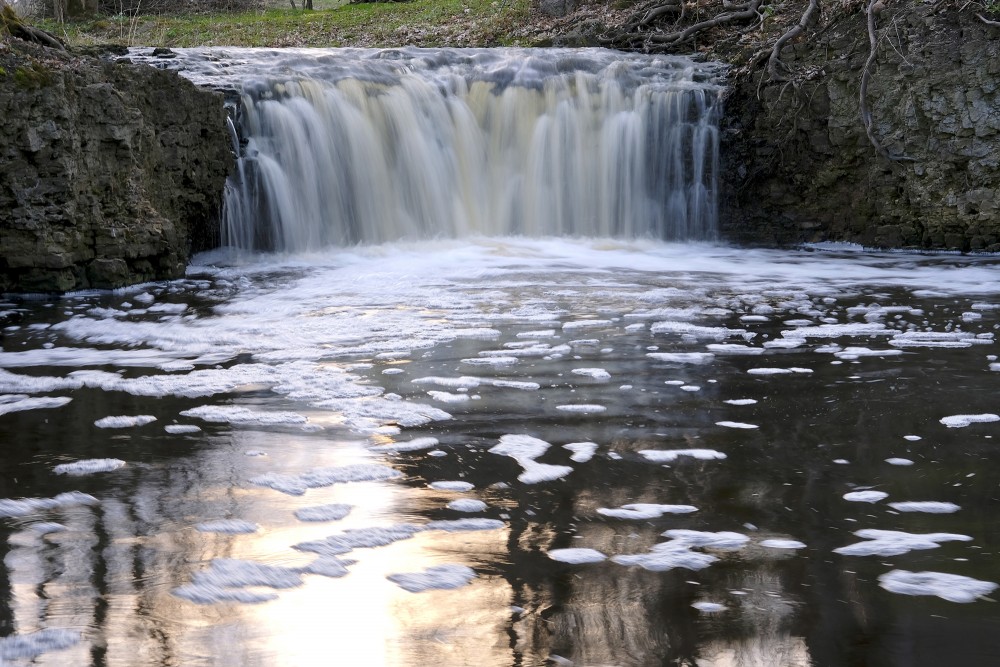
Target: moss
[34, 75]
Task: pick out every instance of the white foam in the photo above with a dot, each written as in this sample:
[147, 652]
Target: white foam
[961, 421]
[20, 402]
[33, 644]
[542, 333]
[535, 472]
[642, 511]
[782, 544]
[25, 506]
[778, 371]
[678, 551]
[296, 485]
[463, 525]
[586, 324]
[234, 573]
[515, 384]
[741, 401]
[671, 455]
[327, 566]
[695, 331]
[582, 451]
[228, 526]
[358, 538]
[936, 339]
[896, 461]
[520, 447]
[842, 462]
[525, 449]
[467, 505]
[850, 353]
[724, 540]
[233, 414]
[951, 587]
[895, 543]
[912, 438]
[582, 408]
[736, 425]
[452, 486]
[437, 577]
[180, 429]
[332, 512]
[491, 361]
[124, 421]
[929, 506]
[594, 373]
[839, 330]
[576, 556]
[448, 397]
[463, 382]
[865, 496]
[408, 446]
[211, 594]
[88, 466]
[682, 357]
[708, 607]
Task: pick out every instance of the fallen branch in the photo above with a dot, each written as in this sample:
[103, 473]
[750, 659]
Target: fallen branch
[774, 61]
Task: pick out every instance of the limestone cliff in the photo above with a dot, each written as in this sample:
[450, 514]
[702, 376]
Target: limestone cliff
[798, 163]
[110, 174]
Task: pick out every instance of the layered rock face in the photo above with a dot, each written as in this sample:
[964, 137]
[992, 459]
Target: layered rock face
[110, 174]
[799, 166]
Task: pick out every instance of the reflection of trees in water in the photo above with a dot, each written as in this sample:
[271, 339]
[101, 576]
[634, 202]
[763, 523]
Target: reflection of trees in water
[109, 574]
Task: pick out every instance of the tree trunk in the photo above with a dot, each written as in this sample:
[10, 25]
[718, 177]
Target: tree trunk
[307, 4]
[75, 8]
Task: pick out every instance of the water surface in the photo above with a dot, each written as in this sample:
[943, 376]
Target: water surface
[787, 378]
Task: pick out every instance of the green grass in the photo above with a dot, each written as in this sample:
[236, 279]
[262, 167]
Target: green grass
[422, 22]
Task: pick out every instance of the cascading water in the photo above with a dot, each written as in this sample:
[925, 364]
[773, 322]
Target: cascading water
[363, 146]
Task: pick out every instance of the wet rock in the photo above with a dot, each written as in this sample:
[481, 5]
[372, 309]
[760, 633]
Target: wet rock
[802, 169]
[110, 174]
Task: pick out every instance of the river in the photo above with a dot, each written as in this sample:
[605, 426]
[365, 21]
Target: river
[493, 449]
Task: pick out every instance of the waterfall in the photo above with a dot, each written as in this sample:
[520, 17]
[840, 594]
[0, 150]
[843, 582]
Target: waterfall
[353, 146]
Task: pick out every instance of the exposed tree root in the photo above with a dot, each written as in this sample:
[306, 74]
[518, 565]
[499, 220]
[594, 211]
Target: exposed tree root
[11, 23]
[995, 24]
[750, 13]
[774, 61]
[866, 114]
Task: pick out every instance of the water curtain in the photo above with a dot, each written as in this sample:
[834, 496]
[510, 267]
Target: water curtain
[344, 147]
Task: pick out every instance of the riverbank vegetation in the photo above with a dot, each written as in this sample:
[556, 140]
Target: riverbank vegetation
[330, 23]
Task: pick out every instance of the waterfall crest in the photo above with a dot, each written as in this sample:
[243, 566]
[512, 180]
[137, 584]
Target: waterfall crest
[362, 146]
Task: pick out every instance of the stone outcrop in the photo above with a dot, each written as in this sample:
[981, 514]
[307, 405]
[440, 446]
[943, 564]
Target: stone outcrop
[110, 174]
[799, 166]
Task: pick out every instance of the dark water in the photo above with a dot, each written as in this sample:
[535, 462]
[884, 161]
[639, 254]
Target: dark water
[312, 337]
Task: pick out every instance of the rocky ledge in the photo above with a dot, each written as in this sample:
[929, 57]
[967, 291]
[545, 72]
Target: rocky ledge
[110, 174]
[800, 166]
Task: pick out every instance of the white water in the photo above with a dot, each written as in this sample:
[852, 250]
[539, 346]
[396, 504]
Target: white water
[367, 146]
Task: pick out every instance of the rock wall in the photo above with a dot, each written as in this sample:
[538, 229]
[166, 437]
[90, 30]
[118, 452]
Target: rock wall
[798, 164]
[110, 174]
